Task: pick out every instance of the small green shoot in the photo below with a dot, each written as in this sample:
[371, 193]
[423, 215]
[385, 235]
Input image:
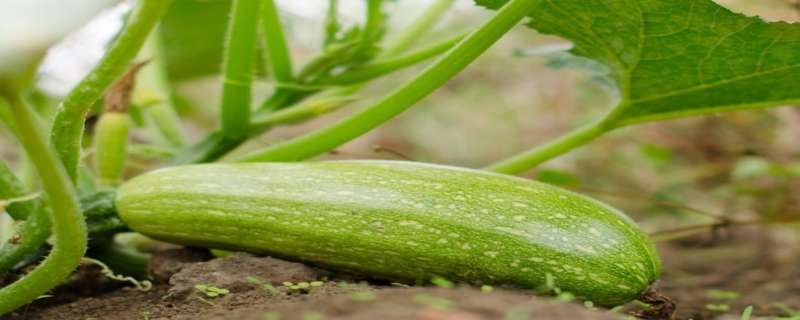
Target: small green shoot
[487, 288]
[564, 296]
[264, 285]
[442, 283]
[747, 313]
[303, 286]
[722, 294]
[718, 307]
[211, 291]
[790, 312]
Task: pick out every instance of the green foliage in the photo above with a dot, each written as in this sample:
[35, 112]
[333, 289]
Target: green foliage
[747, 313]
[211, 291]
[194, 32]
[442, 282]
[668, 59]
[678, 58]
[718, 307]
[722, 294]
[268, 287]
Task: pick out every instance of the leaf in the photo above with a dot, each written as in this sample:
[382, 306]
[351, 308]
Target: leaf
[193, 33]
[193, 37]
[677, 58]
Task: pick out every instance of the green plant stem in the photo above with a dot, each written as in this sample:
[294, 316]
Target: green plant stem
[373, 26]
[69, 226]
[530, 159]
[67, 128]
[123, 260]
[237, 68]
[300, 112]
[332, 25]
[278, 57]
[214, 146]
[32, 235]
[385, 66]
[419, 27]
[152, 86]
[34, 231]
[12, 187]
[403, 98]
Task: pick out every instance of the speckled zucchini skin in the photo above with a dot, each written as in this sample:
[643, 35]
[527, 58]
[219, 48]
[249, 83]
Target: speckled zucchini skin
[401, 221]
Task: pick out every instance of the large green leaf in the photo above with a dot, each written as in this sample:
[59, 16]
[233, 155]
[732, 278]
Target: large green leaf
[194, 33]
[675, 58]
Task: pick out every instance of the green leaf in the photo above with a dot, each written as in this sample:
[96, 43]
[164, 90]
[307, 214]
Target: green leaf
[193, 33]
[677, 58]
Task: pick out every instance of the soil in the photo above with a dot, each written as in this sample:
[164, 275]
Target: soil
[707, 277]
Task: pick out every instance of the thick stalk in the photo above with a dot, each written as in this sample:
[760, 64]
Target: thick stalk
[419, 27]
[532, 158]
[67, 128]
[237, 68]
[406, 96]
[69, 227]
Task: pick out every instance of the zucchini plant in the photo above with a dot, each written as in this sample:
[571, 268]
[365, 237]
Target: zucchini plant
[667, 59]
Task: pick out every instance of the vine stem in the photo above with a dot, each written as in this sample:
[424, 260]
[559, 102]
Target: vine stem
[682, 232]
[275, 42]
[527, 160]
[385, 66]
[420, 26]
[33, 234]
[154, 91]
[34, 230]
[67, 128]
[237, 68]
[430, 79]
[12, 187]
[69, 227]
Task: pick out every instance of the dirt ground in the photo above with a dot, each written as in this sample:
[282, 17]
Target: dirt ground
[708, 278]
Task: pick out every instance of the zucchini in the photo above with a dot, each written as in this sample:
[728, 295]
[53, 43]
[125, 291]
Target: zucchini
[402, 221]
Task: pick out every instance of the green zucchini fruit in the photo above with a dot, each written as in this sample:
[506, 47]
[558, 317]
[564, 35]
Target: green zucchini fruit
[400, 221]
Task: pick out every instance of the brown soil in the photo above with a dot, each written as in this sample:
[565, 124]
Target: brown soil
[755, 267]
